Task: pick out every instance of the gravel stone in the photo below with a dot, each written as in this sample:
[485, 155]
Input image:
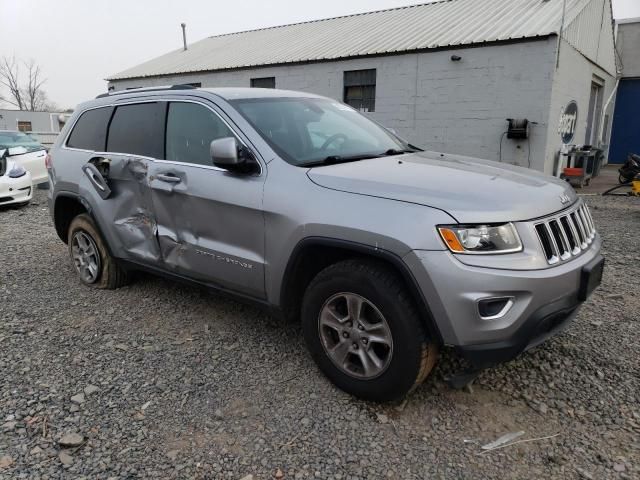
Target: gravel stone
[79, 398]
[90, 390]
[65, 458]
[229, 385]
[71, 440]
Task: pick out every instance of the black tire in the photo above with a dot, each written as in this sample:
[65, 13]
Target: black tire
[414, 354]
[110, 275]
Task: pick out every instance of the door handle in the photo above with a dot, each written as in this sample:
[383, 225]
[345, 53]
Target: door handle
[97, 180]
[169, 178]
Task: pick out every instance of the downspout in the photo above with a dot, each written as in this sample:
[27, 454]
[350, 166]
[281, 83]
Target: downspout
[560, 33]
[604, 110]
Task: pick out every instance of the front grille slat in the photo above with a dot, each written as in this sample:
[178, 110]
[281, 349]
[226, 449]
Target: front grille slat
[572, 236]
[578, 222]
[567, 235]
[554, 245]
[587, 216]
[587, 226]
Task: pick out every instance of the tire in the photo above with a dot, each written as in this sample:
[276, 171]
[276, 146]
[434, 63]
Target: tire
[622, 179]
[408, 359]
[109, 275]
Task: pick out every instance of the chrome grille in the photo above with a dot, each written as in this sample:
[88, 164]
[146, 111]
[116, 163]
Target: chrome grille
[566, 235]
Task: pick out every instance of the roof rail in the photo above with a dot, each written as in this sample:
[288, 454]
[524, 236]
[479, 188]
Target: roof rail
[151, 89]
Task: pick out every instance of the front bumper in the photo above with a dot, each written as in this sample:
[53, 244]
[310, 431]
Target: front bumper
[544, 302]
[15, 190]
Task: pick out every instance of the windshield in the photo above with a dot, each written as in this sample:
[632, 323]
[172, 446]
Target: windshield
[19, 139]
[305, 131]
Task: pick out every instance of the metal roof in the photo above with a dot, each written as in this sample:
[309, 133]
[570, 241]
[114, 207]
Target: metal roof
[439, 24]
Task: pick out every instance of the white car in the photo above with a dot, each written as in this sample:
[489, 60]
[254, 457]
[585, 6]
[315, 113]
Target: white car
[16, 184]
[26, 152]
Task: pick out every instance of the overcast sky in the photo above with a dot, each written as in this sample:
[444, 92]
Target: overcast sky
[78, 43]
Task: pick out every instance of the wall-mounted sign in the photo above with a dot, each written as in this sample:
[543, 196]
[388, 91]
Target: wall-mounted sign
[568, 122]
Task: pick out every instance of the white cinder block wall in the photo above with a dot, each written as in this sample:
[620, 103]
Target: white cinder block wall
[455, 107]
[572, 82]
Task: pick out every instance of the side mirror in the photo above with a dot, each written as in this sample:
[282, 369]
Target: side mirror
[224, 152]
[227, 154]
[17, 151]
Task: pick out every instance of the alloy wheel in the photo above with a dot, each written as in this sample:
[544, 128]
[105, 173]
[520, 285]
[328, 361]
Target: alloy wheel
[355, 335]
[86, 257]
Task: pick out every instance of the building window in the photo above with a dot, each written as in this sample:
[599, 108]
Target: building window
[24, 126]
[266, 82]
[360, 89]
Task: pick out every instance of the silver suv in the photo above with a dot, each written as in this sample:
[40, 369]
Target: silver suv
[303, 205]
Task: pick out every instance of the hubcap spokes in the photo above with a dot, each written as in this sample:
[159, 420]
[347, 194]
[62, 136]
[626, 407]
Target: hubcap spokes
[355, 335]
[85, 257]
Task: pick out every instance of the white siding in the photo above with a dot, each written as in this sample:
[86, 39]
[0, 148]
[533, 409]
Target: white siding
[591, 33]
[40, 121]
[629, 48]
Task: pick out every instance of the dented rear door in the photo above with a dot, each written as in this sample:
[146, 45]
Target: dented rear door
[210, 222]
[135, 139]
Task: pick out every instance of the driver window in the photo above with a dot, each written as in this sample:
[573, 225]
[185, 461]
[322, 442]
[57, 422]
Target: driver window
[190, 130]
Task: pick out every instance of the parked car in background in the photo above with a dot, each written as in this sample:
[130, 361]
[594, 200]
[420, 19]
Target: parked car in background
[27, 152]
[16, 186]
[302, 204]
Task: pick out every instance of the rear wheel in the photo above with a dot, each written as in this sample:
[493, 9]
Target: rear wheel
[93, 263]
[364, 332]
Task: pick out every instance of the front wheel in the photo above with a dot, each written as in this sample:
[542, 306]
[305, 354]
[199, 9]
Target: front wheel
[93, 263]
[364, 332]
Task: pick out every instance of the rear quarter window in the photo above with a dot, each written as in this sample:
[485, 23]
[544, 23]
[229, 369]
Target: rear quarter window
[90, 131]
[138, 129]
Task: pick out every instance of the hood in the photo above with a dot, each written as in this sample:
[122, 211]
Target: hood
[469, 189]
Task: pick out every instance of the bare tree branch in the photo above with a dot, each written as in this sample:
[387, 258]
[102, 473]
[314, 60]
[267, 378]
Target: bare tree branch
[34, 96]
[9, 77]
[27, 96]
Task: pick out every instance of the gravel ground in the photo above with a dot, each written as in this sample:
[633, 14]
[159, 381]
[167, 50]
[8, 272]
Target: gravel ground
[159, 380]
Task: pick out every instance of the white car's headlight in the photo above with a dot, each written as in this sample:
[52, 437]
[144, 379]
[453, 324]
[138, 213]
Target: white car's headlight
[481, 239]
[17, 171]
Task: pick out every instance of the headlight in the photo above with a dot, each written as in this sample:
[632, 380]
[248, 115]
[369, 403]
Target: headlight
[481, 239]
[17, 172]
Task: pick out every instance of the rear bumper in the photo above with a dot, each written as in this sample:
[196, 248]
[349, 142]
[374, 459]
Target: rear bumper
[543, 302]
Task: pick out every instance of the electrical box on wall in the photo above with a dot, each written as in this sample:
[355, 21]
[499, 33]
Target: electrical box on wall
[518, 128]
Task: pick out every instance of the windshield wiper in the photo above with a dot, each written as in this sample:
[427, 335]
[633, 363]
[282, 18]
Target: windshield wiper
[395, 151]
[335, 159]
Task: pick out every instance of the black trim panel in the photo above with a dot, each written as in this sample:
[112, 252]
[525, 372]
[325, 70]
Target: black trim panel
[543, 324]
[368, 250]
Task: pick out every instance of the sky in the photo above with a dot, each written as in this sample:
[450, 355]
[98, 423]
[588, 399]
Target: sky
[78, 43]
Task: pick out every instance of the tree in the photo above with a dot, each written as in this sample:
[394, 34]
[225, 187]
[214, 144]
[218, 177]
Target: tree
[9, 77]
[28, 96]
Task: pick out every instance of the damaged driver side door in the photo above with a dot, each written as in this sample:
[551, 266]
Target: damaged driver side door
[210, 221]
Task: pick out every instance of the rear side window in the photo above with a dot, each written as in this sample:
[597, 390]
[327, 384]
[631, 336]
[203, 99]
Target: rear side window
[138, 129]
[190, 130]
[90, 131]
